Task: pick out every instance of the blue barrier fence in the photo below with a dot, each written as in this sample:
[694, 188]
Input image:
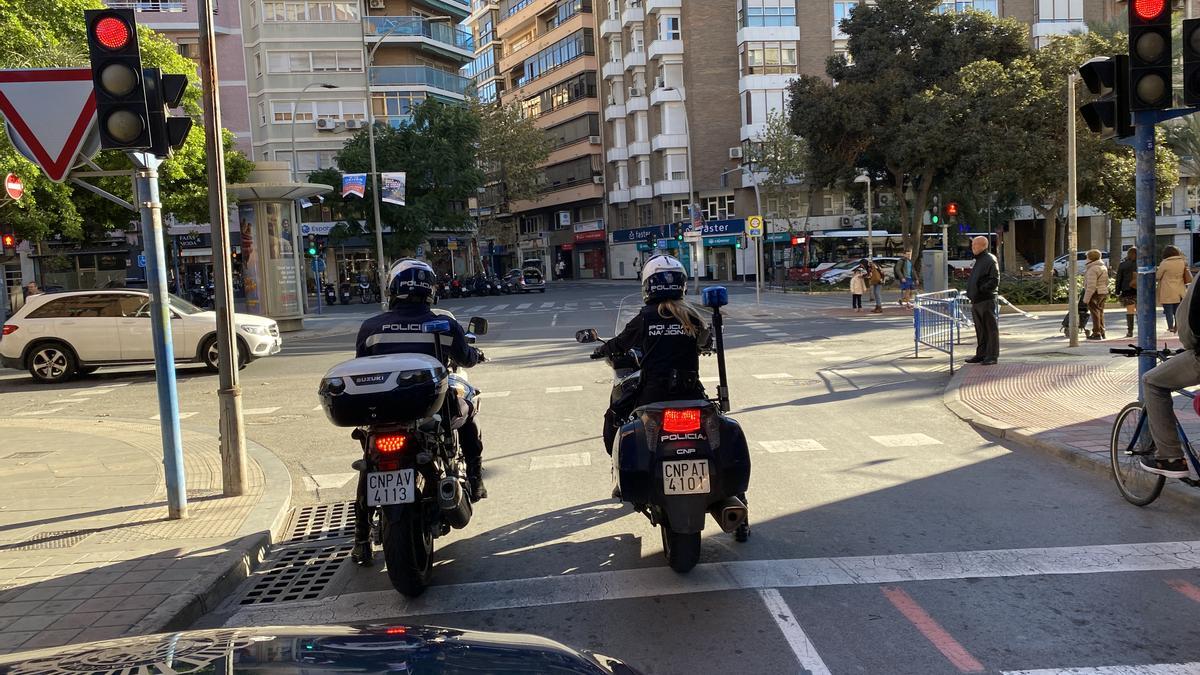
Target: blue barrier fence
[938, 320]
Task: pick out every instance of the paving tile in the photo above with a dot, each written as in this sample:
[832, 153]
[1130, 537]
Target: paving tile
[15, 640]
[81, 592]
[56, 606]
[95, 633]
[155, 564]
[35, 623]
[75, 620]
[176, 574]
[139, 577]
[124, 618]
[38, 593]
[51, 638]
[142, 601]
[6, 622]
[156, 587]
[18, 608]
[105, 577]
[99, 604]
[121, 590]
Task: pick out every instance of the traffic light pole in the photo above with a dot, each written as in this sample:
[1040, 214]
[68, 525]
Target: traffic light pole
[150, 209]
[1143, 146]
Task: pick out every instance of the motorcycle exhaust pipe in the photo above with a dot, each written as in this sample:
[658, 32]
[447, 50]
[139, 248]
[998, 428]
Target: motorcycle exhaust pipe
[455, 504]
[729, 513]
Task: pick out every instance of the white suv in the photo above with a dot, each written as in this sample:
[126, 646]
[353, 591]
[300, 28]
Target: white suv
[56, 335]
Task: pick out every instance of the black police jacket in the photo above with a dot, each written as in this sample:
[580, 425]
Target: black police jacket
[670, 357]
[398, 331]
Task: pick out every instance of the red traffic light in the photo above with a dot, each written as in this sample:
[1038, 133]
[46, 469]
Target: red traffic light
[952, 209]
[8, 241]
[111, 32]
[1148, 9]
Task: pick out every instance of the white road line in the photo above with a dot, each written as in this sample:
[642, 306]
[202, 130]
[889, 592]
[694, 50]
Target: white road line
[773, 376]
[69, 400]
[494, 394]
[554, 321]
[259, 411]
[710, 380]
[182, 416]
[524, 305]
[547, 305]
[497, 308]
[33, 413]
[775, 334]
[732, 576]
[560, 461]
[318, 408]
[563, 390]
[794, 445]
[905, 440]
[99, 392]
[1148, 669]
[117, 384]
[797, 639]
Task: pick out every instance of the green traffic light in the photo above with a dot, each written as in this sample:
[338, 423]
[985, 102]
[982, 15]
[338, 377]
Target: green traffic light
[936, 219]
[312, 250]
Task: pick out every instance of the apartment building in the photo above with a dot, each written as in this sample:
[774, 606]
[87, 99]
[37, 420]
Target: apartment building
[547, 63]
[681, 75]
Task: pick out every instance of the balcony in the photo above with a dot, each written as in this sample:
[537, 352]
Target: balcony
[774, 34]
[437, 36]
[635, 59]
[666, 141]
[610, 27]
[639, 149]
[618, 196]
[655, 6]
[660, 48]
[637, 103]
[614, 111]
[677, 186]
[612, 69]
[660, 95]
[419, 76]
[147, 5]
[633, 13]
[618, 154]
[643, 191]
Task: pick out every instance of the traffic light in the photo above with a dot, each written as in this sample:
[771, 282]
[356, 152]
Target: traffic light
[951, 209]
[797, 240]
[1191, 62]
[1149, 54]
[312, 245]
[163, 92]
[738, 242]
[679, 233]
[8, 244]
[1107, 77]
[117, 78]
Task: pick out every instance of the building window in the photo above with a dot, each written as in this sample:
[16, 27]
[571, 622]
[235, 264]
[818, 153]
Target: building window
[766, 13]
[557, 55]
[573, 131]
[646, 215]
[562, 94]
[281, 111]
[188, 50]
[309, 160]
[991, 7]
[578, 171]
[717, 208]
[677, 211]
[394, 108]
[262, 113]
[316, 61]
[668, 28]
[768, 58]
[309, 10]
[675, 166]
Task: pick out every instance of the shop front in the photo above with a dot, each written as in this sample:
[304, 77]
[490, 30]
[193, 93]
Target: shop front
[721, 252]
[629, 249]
[588, 251]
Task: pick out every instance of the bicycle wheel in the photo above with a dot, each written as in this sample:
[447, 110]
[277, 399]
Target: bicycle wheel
[1137, 486]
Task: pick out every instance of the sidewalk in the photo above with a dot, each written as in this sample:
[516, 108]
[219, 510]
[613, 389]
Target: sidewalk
[86, 549]
[1051, 397]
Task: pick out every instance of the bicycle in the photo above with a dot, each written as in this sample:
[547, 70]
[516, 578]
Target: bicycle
[1131, 442]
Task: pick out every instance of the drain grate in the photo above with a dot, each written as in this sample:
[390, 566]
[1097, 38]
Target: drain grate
[51, 539]
[298, 573]
[323, 521]
[27, 455]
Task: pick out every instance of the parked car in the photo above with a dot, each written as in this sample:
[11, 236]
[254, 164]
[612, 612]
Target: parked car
[527, 280]
[842, 271]
[1060, 263]
[56, 335]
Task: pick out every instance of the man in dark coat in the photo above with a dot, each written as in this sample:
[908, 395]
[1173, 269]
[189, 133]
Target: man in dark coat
[981, 290]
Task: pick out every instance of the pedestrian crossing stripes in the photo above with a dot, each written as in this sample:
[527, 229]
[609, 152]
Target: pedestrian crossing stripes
[794, 445]
[495, 394]
[524, 305]
[563, 390]
[182, 416]
[905, 440]
[37, 413]
[773, 376]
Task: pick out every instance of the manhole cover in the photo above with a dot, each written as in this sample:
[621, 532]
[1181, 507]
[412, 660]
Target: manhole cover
[297, 573]
[51, 539]
[323, 521]
[27, 455]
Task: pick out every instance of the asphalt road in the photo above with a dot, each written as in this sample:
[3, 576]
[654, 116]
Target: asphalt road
[888, 536]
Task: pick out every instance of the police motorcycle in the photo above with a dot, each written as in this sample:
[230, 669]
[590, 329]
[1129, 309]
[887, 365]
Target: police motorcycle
[677, 461]
[405, 409]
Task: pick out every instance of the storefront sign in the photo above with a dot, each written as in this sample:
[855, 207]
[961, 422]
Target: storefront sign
[594, 235]
[638, 234]
[720, 241]
[717, 227]
[590, 226]
[568, 247]
[192, 240]
[322, 229]
[779, 237]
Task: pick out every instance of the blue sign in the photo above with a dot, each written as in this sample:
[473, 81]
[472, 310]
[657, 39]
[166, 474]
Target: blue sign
[638, 234]
[141, 260]
[733, 226]
[720, 241]
[318, 265]
[778, 237]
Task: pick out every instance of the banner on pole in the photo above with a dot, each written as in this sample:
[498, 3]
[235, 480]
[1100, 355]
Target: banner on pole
[393, 188]
[305, 202]
[354, 184]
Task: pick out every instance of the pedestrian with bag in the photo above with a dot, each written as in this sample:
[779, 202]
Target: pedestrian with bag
[1095, 292]
[875, 283]
[1173, 278]
[1127, 288]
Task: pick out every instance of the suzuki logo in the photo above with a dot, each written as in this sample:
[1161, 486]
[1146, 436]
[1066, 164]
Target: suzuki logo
[370, 379]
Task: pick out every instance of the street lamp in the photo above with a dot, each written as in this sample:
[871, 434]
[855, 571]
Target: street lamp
[381, 270]
[697, 245]
[865, 178]
[758, 245]
[301, 274]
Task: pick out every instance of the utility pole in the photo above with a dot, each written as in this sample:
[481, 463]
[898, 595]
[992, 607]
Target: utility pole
[229, 393]
[1143, 146]
[1072, 219]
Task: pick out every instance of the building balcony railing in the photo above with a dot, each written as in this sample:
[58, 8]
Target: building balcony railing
[375, 27]
[653, 6]
[633, 13]
[384, 76]
[147, 5]
[612, 69]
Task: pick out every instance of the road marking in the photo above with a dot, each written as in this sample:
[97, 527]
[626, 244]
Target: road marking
[732, 576]
[69, 400]
[182, 416]
[711, 380]
[524, 305]
[113, 385]
[318, 408]
[560, 461]
[32, 413]
[327, 481]
[563, 390]
[259, 411]
[1187, 589]
[554, 321]
[773, 376]
[494, 394]
[100, 392]
[497, 308]
[932, 630]
[547, 305]
[1149, 669]
[905, 440]
[776, 334]
[797, 639]
[794, 445]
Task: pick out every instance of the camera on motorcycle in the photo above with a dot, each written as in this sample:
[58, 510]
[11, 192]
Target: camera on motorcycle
[477, 325]
[586, 335]
[715, 296]
[471, 338]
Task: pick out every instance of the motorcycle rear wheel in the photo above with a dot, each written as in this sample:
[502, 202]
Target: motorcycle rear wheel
[681, 549]
[408, 552]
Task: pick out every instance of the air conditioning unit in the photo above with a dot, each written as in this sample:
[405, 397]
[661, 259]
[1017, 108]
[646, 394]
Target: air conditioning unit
[612, 100]
[327, 124]
[634, 92]
[594, 140]
[885, 198]
[377, 4]
[356, 124]
[660, 83]
[735, 153]
[598, 180]
[846, 221]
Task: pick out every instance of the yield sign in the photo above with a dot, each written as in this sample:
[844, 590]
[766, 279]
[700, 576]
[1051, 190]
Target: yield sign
[50, 111]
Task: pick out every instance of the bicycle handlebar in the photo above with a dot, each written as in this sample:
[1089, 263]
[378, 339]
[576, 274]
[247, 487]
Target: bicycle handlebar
[1134, 350]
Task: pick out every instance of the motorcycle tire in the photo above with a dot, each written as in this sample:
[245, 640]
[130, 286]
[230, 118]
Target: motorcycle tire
[408, 552]
[682, 549]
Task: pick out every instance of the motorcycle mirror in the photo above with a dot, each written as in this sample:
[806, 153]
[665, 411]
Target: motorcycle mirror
[715, 296]
[478, 325]
[587, 335]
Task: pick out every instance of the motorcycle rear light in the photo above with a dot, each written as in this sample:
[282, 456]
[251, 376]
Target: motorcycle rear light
[389, 443]
[9, 329]
[396, 630]
[681, 420]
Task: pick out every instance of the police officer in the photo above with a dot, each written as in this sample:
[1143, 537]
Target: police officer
[670, 335]
[398, 331]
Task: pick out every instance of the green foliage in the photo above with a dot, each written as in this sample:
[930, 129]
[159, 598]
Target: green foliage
[511, 149]
[783, 156]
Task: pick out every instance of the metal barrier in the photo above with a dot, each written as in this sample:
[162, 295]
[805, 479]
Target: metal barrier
[938, 319]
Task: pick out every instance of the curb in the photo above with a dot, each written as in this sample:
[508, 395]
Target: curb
[952, 399]
[263, 526]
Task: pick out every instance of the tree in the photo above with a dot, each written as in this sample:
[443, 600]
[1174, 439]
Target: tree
[780, 161]
[437, 151]
[876, 114]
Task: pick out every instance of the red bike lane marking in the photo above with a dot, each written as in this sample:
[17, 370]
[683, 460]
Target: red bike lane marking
[932, 630]
[1186, 588]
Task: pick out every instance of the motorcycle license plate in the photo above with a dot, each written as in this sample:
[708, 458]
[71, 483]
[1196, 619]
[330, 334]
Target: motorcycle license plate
[385, 488]
[686, 477]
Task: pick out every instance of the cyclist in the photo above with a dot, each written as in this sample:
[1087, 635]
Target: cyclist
[1175, 373]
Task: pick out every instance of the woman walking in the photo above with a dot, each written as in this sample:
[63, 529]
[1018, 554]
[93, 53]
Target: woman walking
[1127, 288]
[858, 287]
[1095, 291]
[1173, 277]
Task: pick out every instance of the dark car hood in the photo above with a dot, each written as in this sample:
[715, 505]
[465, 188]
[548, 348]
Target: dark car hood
[318, 649]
